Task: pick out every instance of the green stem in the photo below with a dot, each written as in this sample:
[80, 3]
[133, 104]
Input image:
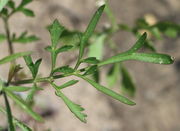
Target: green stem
[9, 114]
[77, 64]
[10, 46]
[38, 80]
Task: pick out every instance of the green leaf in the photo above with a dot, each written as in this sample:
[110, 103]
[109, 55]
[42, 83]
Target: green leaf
[31, 93]
[20, 124]
[139, 43]
[155, 31]
[4, 12]
[3, 4]
[29, 63]
[74, 108]
[11, 4]
[90, 70]
[64, 69]
[55, 30]
[24, 2]
[166, 25]
[67, 84]
[171, 32]
[113, 75]
[2, 37]
[128, 86]
[108, 91]
[70, 37]
[24, 105]
[90, 29]
[125, 27]
[13, 57]
[149, 45]
[36, 66]
[24, 38]
[64, 48]
[27, 12]
[9, 114]
[32, 67]
[97, 46]
[18, 88]
[96, 76]
[90, 60]
[153, 58]
[145, 57]
[48, 48]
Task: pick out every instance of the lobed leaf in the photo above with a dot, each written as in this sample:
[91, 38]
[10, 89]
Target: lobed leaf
[107, 91]
[90, 70]
[24, 105]
[139, 43]
[24, 38]
[64, 69]
[24, 2]
[55, 31]
[48, 48]
[13, 57]
[145, 57]
[64, 48]
[67, 84]
[153, 58]
[90, 60]
[27, 12]
[90, 29]
[33, 67]
[74, 108]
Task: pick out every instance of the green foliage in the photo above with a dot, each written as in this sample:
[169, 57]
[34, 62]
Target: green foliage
[64, 69]
[94, 41]
[74, 108]
[128, 86]
[19, 101]
[113, 75]
[90, 60]
[55, 31]
[108, 91]
[33, 67]
[13, 57]
[89, 31]
[23, 38]
[3, 3]
[97, 46]
[132, 55]
[67, 84]
[16, 122]
[2, 37]
[18, 88]
[9, 115]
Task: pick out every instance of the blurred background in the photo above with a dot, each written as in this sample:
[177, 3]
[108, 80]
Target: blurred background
[158, 92]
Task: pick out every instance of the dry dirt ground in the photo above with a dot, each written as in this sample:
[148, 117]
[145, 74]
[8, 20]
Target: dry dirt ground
[158, 92]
